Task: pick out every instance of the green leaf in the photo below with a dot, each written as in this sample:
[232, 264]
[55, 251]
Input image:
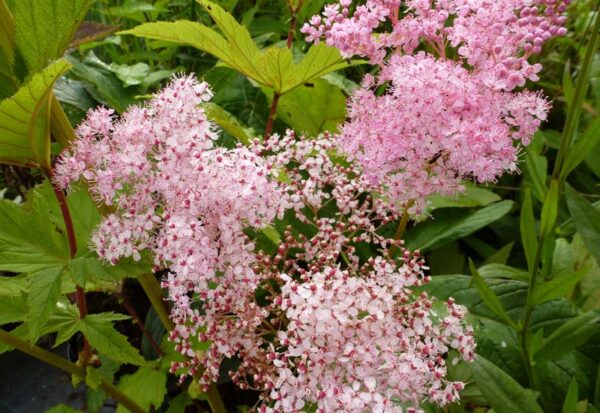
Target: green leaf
[558, 287]
[568, 336]
[228, 122]
[44, 290]
[12, 286]
[102, 336]
[179, 403]
[570, 404]
[29, 241]
[131, 75]
[275, 68]
[536, 170]
[44, 28]
[489, 297]
[7, 34]
[62, 408]
[503, 393]
[500, 256]
[313, 107]
[25, 119]
[473, 196]
[147, 387]
[528, 233]
[434, 233]
[549, 209]
[495, 270]
[586, 219]
[582, 148]
[12, 309]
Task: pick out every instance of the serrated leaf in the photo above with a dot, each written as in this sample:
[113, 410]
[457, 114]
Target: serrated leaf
[29, 241]
[13, 286]
[528, 233]
[228, 122]
[503, 393]
[147, 387]
[434, 233]
[25, 119]
[44, 290]
[44, 28]
[489, 297]
[568, 336]
[12, 309]
[274, 68]
[102, 336]
[586, 219]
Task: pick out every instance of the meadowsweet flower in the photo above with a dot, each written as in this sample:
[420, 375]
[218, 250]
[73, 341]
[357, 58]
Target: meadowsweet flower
[437, 125]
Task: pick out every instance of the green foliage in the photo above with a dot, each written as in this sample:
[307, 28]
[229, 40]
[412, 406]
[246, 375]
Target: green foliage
[44, 28]
[502, 392]
[25, 119]
[147, 387]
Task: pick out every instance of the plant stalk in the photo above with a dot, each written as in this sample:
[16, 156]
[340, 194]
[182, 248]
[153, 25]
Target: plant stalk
[71, 368]
[154, 293]
[271, 118]
[399, 232]
[79, 292]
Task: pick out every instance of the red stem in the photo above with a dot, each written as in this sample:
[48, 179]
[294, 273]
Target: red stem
[79, 292]
[140, 324]
[271, 118]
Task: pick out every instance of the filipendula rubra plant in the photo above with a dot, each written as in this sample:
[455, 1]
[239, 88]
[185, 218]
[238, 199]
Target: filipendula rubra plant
[316, 323]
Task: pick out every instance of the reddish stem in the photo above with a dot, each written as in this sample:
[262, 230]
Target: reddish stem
[271, 118]
[140, 324]
[79, 292]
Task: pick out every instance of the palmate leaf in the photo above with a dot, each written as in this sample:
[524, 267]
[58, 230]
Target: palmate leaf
[274, 68]
[146, 387]
[29, 241]
[44, 290]
[44, 28]
[7, 36]
[25, 119]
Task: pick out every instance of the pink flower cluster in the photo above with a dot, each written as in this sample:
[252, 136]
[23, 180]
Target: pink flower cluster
[441, 120]
[437, 125]
[318, 322]
[177, 195]
[494, 37]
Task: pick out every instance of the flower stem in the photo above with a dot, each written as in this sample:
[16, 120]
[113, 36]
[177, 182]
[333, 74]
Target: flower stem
[271, 118]
[154, 293]
[79, 292]
[72, 368]
[399, 232]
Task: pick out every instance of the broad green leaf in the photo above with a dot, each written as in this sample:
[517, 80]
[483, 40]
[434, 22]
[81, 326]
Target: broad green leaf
[44, 28]
[25, 119]
[242, 56]
[274, 68]
[101, 334]
[558, 287]
[568, 336]
[500, 344]
[587, 221]
[7, 35]
[528, 233]
[12, 309]
[549, 209]
[44, 290]
[29, 241]
[435, 232]
[313, 107]
[131, 75]
[570, 404]
[228, 122]
[489, 297]
[473, 196]
[147, 387]
[85, 270]
[179, 403]
[12, 286]
[503, 393]
[582, 148]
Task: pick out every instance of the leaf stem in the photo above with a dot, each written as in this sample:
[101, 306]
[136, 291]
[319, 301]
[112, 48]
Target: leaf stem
[271, 118]
[72, 368]
[79, 292]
